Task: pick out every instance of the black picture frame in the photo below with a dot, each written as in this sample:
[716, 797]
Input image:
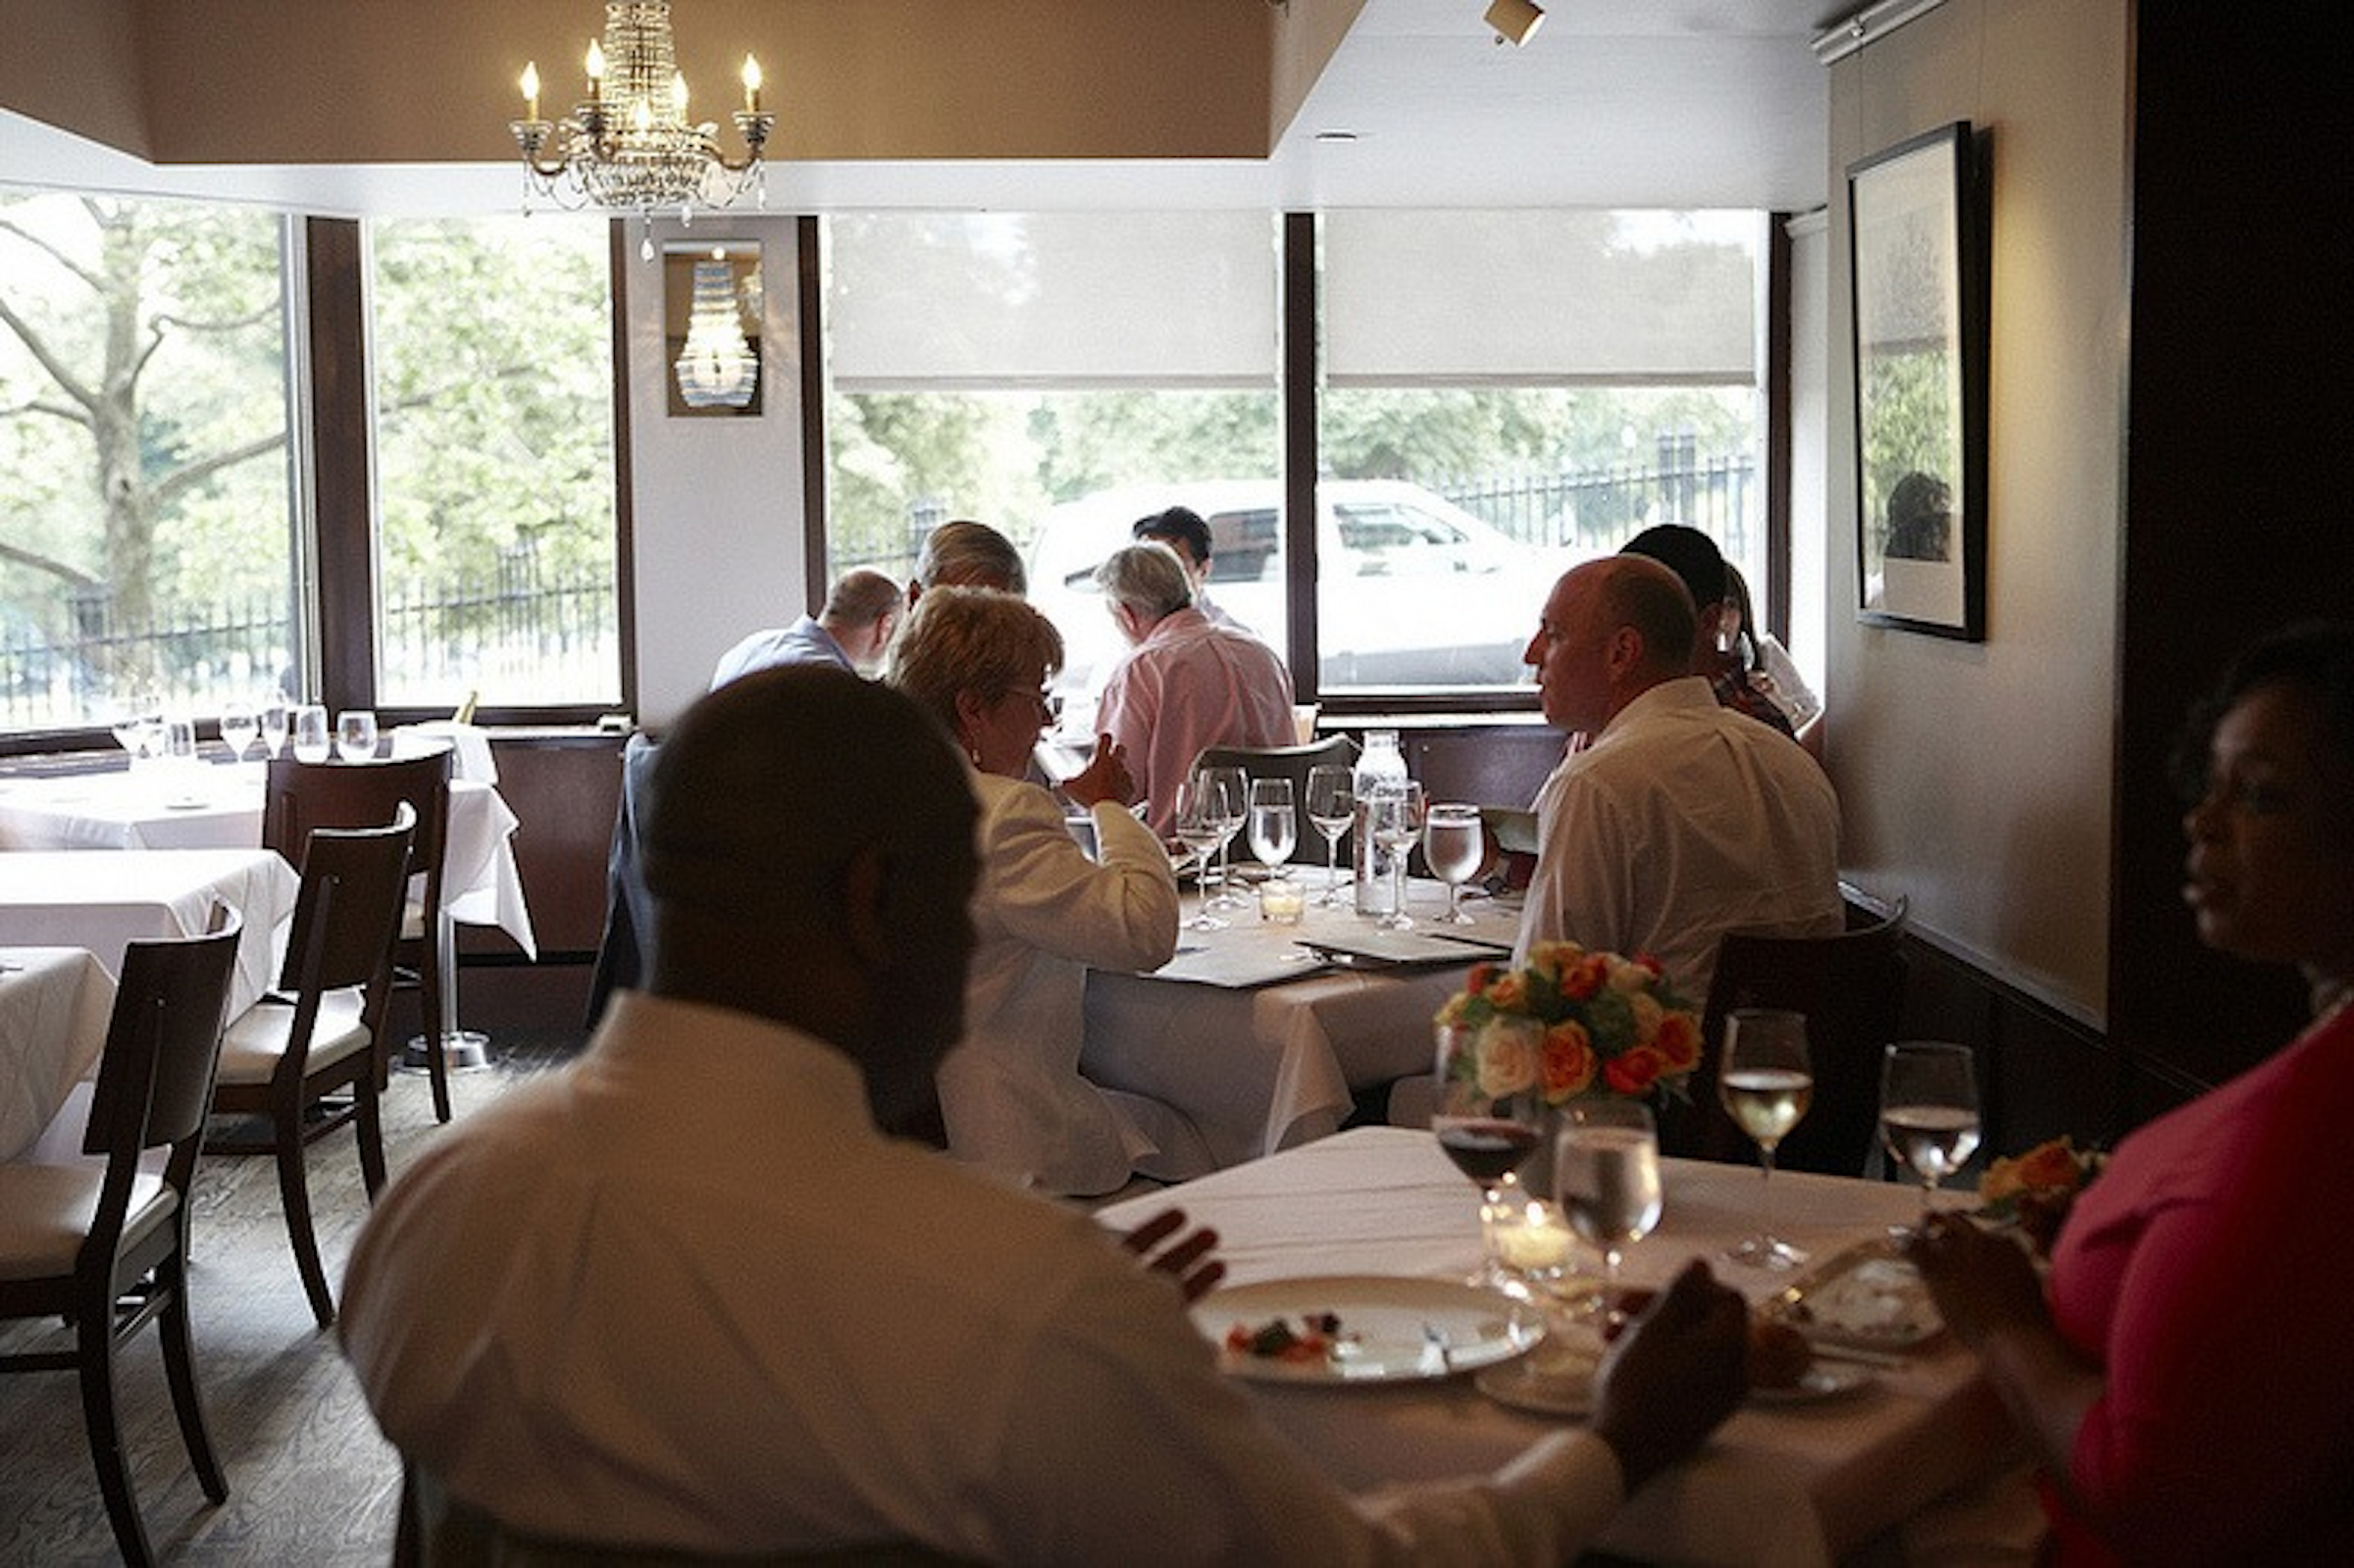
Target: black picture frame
[1917, 263]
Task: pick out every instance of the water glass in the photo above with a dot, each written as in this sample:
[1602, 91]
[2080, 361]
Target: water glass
[312, 743]
[355, 735]
[275, 717]
[238, 727]
[1454, 842]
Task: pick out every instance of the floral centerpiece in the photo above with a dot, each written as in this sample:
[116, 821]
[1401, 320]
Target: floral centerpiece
[1573, 1023]
[2035, 1189]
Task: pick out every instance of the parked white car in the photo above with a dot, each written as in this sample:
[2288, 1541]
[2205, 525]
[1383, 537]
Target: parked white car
[1413, 591]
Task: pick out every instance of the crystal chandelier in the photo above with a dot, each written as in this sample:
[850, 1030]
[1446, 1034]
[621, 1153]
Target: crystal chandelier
[630, 147]
[716, 367]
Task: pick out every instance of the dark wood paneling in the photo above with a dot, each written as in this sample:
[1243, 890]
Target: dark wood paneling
[564, 792]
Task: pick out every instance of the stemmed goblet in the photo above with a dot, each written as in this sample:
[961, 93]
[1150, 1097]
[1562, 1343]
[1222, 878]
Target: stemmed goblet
[1331, 807]
[238, 727]
[1394, 815]
[1766, 1084]
[1237, 800]
[1929, 1111]
[1274, 821]
[1488, 1134]
[1605, 1177]
[1452, 841]
[273, 724]
[1201, 826]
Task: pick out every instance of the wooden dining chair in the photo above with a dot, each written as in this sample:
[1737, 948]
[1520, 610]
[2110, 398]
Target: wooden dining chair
[1285, 762]
[102, 1242]
[624, 949]
[321, 1033]
[303, 795]
[1852, 989]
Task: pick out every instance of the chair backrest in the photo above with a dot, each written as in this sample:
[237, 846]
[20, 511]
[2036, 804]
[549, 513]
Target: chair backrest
[1852, 989]
[347, 911]
[303, 796]
[624, 949]
[163, 1040]
[1284, 762]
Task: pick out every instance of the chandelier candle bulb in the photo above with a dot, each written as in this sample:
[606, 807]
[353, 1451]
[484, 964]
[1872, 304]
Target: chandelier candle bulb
[531, 90]
[752, 85]
[597, 71]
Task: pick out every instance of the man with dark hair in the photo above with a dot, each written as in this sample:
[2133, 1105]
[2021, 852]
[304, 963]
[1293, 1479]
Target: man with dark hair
[1184, 683]
[681, 1296]
[851, 633]
[1679, 820]
[1184, 530]
[1697, 562]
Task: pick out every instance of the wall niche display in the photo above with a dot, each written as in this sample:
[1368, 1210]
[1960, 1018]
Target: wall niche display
[711, 314]
[1915, 224]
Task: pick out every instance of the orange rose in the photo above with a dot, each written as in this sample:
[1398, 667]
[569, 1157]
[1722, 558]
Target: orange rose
[1586, 977]
[1634, 1072]
[1477, 981]
[1569, 1061]
[1678, 1041]
[2051, 1166]
[1509, 992]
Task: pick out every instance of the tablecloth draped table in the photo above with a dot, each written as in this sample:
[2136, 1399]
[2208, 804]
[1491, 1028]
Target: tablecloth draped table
[1263, 1054]
[1798, 1485]
[54, 1007]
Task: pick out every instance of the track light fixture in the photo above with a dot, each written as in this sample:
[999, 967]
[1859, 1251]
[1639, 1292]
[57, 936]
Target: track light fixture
[1515, 21]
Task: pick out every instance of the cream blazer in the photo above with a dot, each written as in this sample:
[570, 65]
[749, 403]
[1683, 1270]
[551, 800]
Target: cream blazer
[1045, 914]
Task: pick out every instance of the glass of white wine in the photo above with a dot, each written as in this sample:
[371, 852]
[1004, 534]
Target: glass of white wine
[1331, 807]
[1766, 1082]
[1929, 1111]
[1605, 1177]
[1451, 842]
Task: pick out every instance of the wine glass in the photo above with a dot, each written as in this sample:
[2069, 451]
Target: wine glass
[1453, 842]
[1201, 826]
[1274, 821]
[273, 724]
[1605, 1177]
[1394, 815]
[355, 735]
[1929, 1111]
[1237, 799]
[1766, 1085]
[312, 742]
[238, 727]
[1488, 1134]
[1331, 807]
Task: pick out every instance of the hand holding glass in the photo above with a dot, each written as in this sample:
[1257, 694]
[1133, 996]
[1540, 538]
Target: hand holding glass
[1331, 806]
[1453, 842]
[1929, 1111]
[1766, 1084]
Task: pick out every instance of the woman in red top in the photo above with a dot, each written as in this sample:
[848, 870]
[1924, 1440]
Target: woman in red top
[2186, 1378]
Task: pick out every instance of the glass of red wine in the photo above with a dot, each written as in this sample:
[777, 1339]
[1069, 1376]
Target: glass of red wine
[1488, 1134]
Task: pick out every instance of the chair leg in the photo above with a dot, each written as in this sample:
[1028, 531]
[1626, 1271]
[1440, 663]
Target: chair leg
[294, 1192]
[179, 1371]
[368, 1123]
[95, 1329]
[437, 1057]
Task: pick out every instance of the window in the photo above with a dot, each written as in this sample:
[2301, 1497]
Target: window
[147, 553]
[491, 348]
[1528, 389]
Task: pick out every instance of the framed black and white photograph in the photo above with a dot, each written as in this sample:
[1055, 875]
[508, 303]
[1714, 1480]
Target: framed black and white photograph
[1918, 264]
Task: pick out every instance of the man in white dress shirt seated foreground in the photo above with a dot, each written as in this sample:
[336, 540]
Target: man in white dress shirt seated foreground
[851, 633]
[1679, 820]
[681, 1295]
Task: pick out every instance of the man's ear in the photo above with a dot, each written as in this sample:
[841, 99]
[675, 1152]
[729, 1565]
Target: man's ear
[865, 905]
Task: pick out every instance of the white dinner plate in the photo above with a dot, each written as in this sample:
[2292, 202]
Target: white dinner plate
[1824, 1380]
[1391, 1330]
[1556, 1379]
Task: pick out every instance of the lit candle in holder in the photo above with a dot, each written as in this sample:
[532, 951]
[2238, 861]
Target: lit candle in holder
[597, 71]
[531, 90]
[752, 85]
[1281, 901]
[1531, 1240]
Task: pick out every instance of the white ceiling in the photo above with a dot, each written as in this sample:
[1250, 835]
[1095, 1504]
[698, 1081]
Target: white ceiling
[1629, 103]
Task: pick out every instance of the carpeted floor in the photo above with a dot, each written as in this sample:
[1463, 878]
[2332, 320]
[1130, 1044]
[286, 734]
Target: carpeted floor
[311, 1483]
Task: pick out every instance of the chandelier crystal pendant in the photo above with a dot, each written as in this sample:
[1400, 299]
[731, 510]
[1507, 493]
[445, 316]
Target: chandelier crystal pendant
[716, 367]
[630, 146]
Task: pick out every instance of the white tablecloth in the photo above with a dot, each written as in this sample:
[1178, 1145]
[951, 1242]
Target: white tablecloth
[1264, 1068]
[1785, 1485]
[219, 806]
[54, 1006]
[64, 898]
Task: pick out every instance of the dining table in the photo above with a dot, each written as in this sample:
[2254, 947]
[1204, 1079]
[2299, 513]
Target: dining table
[1904, 1443]
[55, 1003]
[1261, 1035]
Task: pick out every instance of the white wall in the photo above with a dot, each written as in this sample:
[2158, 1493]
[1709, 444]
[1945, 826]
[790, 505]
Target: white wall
[716, 503]
[1975, 777]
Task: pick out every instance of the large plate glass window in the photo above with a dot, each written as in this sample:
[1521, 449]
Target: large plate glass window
[146, 516]
[1507, 393]
[1057, 376]
[491, 340]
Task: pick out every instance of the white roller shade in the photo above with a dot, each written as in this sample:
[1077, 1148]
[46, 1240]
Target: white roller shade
[1540, 297]
[954, 301]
